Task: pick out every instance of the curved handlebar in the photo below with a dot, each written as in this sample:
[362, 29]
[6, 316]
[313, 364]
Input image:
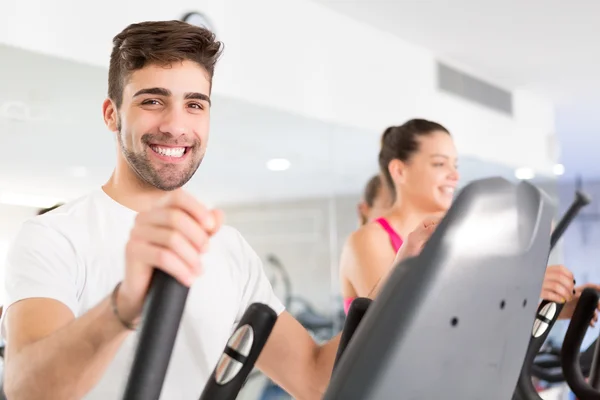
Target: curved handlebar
[582, 316]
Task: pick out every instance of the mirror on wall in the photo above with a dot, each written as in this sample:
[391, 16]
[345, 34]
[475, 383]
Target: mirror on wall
[291, 185]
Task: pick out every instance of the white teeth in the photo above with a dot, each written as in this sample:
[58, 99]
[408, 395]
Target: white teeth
[169, 151]
[447, 189]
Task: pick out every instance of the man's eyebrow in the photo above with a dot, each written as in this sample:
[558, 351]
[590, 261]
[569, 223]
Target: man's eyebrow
[198, 96]
[155, 90]
[166, 93]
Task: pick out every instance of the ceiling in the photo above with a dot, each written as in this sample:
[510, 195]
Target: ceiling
[59, 147]
[547, 46]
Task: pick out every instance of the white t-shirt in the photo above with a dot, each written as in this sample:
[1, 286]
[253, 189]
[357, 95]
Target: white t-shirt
[75, 254]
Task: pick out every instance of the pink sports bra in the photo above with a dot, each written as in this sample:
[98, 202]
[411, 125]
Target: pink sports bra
[396, 242]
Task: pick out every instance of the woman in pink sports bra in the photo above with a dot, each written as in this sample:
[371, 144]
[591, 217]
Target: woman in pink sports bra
[418, 163]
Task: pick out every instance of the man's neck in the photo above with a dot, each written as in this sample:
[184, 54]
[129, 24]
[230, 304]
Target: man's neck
[131, 192]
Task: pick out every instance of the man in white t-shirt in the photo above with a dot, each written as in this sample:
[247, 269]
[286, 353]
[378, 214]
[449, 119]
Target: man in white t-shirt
[67, 268]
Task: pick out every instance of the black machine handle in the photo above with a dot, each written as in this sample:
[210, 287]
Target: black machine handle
[548, 311]
[582, 316]
[594, 372]
[240, 354]
[356, 312]
[162, 314]
[581, 200]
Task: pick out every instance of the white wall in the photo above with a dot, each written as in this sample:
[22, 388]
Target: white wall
[308, 60]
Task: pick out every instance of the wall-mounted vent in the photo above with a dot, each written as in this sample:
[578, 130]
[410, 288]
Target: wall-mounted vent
[460, 84]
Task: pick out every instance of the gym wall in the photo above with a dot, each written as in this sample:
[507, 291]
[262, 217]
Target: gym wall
[284, 73]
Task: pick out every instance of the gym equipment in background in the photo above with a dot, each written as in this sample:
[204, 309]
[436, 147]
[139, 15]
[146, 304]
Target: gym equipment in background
[320, 327]
[456, 314]
[584, 312]
[547, 365]
[279, 277]
[547, 313]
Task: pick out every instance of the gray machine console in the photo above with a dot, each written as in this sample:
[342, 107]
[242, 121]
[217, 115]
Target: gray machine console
[455, 322]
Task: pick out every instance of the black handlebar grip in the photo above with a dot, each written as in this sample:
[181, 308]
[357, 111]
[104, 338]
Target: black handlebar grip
[584, 312]
[162, 314]
[356, 312]
[548, 312]
[240, 354]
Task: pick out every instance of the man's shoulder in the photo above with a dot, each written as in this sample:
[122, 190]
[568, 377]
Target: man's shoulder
[231, 244]
[71, 208]
[228, 238]
[228, 232]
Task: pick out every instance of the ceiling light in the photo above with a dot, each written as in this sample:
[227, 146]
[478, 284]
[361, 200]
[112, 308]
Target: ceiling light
[524, 173]
[558, 169]
[27, 200]
[78, 171]
[278, 164]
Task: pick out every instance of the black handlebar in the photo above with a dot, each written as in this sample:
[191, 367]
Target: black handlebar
[548, 311]
[356, 312]
[584, 312]
[581, 200]
[163, 310]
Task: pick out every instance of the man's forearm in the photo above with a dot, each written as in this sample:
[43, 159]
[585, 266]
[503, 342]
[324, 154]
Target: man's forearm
[68, 363]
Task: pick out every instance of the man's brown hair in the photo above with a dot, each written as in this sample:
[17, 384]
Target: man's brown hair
[161, 43]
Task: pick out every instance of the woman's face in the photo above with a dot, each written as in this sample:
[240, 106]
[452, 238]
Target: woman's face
[430, 176]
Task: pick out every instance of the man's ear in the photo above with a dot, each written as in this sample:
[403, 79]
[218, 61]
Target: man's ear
[111, 115]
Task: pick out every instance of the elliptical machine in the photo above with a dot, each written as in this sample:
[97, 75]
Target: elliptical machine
[424, 336]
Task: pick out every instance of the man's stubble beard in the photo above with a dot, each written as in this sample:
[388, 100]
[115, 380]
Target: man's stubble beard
[145, 171]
